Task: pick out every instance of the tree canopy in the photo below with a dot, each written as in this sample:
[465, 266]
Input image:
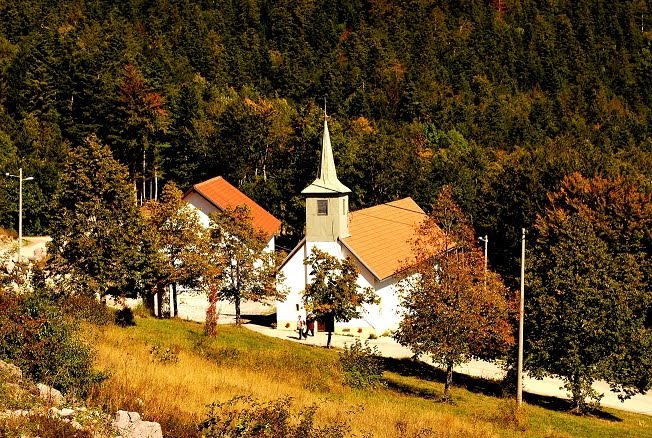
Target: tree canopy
[99, 241]
[589, 300]
[454, 311]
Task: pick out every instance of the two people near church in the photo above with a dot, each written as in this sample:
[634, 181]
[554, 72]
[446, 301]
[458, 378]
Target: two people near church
[304, 327]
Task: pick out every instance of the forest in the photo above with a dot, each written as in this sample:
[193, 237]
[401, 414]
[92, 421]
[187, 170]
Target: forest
[501, 99]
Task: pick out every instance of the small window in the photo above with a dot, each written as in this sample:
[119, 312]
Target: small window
[322, 207]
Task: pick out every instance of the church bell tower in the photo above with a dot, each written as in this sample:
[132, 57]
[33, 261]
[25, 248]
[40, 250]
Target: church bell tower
[327, 200]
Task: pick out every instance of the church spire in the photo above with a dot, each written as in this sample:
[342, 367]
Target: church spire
[326, 181]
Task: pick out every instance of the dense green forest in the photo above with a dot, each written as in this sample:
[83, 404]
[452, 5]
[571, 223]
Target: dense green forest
[500, 98]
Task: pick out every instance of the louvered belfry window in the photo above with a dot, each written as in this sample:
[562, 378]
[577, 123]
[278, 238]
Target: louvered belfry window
[322, 207]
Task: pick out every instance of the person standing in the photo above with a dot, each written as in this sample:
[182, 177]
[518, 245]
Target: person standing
[300, 325]
[310, 324]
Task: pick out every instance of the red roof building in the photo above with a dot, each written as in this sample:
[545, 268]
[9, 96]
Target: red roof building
[218, 194]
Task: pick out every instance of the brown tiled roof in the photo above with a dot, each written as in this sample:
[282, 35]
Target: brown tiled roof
[380, 235]
[223, 195]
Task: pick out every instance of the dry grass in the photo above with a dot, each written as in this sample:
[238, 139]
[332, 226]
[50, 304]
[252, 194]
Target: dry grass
[240, 362]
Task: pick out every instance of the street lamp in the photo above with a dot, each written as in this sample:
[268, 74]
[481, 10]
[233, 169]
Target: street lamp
[20, 206]
[485, 239]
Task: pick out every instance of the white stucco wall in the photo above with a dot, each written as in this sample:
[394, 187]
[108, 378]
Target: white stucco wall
[376, 318]
[191, 304]
[202, 206]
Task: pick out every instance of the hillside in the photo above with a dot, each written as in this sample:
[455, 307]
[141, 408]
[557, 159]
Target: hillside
[171, 373]
[500, 98]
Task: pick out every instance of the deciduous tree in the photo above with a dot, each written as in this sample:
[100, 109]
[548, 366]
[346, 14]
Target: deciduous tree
[454, 311]
[333, 293]
[242, 267]
[587, 316]
[178, 233]
[99, 241]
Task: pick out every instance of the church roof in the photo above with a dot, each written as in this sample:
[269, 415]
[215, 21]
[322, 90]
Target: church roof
[223, 195]
[381, 235]
[327, 181]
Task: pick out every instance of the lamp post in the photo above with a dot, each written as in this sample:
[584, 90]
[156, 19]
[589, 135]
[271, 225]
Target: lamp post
[485, 239]
[20, 207]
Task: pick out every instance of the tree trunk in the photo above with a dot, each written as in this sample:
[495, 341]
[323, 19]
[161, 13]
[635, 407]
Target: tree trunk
[144, 168]
[576, 393]
[159, 293]
[149, 302]
[449, 381]
[237, 310]
[175, 308]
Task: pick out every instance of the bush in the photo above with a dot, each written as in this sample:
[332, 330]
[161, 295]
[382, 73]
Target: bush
[36, 337]
[245, 417]
[125, 317]
[361, 365]
[88, 309]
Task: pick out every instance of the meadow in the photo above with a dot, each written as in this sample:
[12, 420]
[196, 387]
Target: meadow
[170, 372]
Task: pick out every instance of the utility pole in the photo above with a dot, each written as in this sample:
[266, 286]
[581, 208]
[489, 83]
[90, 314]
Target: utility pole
[20, 208]
[519, 382]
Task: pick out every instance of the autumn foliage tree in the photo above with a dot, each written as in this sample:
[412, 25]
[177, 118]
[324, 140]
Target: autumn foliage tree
[333, 293]
[453, 310]
[179, 235]
[242, 267]
[588, 312]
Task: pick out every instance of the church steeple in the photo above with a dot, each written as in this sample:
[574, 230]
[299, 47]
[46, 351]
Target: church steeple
[326, 181]
[327, 200]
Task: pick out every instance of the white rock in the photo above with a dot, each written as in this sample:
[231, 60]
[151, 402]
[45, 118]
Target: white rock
[122, 420]
[130, 425]
[66, 412]
[147, 429]
[50, 395]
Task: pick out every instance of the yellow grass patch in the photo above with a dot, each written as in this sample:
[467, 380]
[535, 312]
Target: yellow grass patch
[176, 389]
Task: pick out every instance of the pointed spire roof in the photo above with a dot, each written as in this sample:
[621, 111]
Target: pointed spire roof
[327, 181]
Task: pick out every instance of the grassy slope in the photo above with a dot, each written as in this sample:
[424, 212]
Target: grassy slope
[240, 362]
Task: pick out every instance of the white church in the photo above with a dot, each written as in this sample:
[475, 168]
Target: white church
[377, 239]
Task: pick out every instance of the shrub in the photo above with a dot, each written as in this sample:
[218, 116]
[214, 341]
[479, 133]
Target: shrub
[245, 417]
[86, 308]
[361, 365]
[509, 414]
[125, 317]
[36, 337]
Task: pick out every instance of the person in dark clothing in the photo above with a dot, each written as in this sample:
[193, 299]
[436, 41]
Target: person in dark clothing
[310, 326]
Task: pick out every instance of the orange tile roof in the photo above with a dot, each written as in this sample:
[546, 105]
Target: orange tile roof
[381, 235]
[223, 195]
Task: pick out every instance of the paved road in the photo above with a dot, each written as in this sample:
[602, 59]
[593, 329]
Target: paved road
[476, 368]
[34, 247]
